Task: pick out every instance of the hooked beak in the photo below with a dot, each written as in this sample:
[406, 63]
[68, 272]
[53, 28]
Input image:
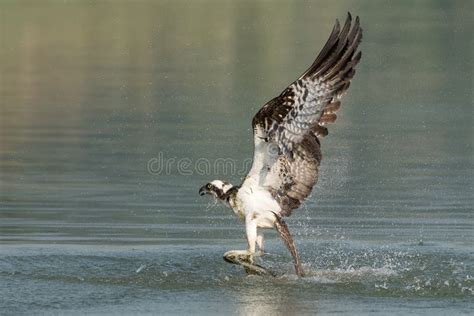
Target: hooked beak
[203, 190]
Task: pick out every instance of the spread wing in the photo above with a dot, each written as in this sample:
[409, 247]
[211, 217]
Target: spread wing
[286, 129]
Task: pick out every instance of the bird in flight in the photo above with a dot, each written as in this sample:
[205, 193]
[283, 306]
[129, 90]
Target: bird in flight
[287, 132]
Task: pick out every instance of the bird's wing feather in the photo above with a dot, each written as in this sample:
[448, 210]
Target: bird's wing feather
[286, 129]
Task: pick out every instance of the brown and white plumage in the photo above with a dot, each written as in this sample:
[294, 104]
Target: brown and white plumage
[291, 123]
[286, 138]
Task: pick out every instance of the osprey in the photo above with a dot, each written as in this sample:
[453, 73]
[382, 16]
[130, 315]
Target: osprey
[287, 152]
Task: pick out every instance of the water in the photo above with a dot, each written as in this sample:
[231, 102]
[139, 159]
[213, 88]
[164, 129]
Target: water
[92, 94]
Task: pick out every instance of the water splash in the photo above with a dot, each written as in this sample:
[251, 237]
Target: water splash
[140, 268]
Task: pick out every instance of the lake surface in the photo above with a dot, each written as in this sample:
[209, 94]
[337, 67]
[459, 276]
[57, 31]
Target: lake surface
[96, 97]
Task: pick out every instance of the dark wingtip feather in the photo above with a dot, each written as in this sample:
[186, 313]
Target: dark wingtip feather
[326, 51]
[340, 62]
[338, 50]
[357, 57]
[349, 17]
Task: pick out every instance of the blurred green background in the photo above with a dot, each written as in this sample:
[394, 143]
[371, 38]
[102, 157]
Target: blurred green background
[92, 90]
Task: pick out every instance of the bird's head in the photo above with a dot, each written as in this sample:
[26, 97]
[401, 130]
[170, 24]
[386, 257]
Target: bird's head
[217, 188]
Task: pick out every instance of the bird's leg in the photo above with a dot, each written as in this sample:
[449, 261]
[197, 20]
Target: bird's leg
[246, 256]
[251, 230]
[260, 244]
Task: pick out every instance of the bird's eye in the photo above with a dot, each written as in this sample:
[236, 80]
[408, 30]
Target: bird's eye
[209, 186]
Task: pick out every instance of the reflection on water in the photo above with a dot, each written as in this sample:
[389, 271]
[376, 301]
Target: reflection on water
[91, 92]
